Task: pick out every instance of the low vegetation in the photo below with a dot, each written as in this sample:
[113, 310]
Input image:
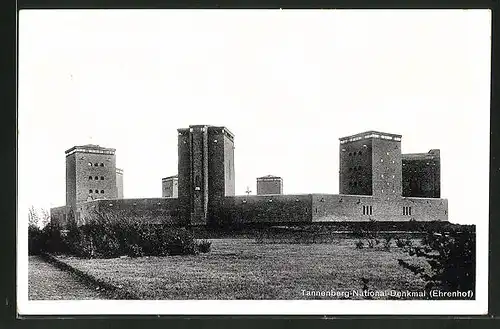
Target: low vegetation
[450, 258]
[105, 236]
[244, 269]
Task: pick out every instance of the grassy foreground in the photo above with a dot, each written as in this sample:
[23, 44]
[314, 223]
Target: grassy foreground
[244, 269]
[46, 282]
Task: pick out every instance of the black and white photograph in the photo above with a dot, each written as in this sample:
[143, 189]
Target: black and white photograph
[243, 162]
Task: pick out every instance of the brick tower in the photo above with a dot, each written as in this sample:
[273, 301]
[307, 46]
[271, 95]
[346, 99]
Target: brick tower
[422, 174]
[269, 185]
[205, 172]
[90, 174]
[370, 164]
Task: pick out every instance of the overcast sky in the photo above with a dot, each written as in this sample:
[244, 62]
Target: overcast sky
[288, 84]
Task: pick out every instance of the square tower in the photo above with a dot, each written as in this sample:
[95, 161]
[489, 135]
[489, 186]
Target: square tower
[422, 174]
[90, 174]
[206, 172]
[169, 187]
[269, 185]
[370, 164]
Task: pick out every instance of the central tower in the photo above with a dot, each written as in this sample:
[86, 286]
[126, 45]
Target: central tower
[206, 172]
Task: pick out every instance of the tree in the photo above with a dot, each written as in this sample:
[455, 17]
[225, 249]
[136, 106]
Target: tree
[451, 258]
[44, 218]
[33, 217]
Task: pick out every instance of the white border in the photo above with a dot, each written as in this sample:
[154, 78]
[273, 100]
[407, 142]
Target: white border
[254, 307]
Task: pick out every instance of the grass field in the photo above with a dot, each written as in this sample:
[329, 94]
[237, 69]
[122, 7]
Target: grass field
[244, 269]
[46, 282]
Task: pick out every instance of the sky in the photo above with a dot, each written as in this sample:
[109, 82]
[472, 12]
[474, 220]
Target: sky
[288, 84]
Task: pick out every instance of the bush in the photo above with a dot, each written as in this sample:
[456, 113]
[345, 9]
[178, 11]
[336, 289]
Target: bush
[387, 243]
[404, 243]
[451, 258]
[359, 244]
[36, 243]
[371, 243]
[204, 246]
[106, 236]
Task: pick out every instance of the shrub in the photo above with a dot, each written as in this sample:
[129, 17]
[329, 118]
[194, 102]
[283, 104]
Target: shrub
[35, 240]
[371, 243]
[400, 243]
[106, 236]
[387, 243]
[204, 246]
[359, 244]
[451, 258]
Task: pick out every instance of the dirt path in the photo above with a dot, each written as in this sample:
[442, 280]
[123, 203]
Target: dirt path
[47, 282]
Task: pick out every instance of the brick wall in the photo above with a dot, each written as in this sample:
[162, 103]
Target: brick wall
[81, 167]
[71, 180]
[151, 210]
[169, 187]
[269, 185]
[184, 175]
[422, 174]
[229, 174]
[355, 170]
[272, 208]
[386, 168]
[336, 208]
[119, 183]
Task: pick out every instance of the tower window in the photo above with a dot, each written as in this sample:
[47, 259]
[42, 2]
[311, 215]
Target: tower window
[96, 191]
[359, 152]
[90, 191]
[102, 177]
[90, 177]
[96, 164]
[102, 164]
[350, 153]
[96, 177]
[102, 191]
[355, 183]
